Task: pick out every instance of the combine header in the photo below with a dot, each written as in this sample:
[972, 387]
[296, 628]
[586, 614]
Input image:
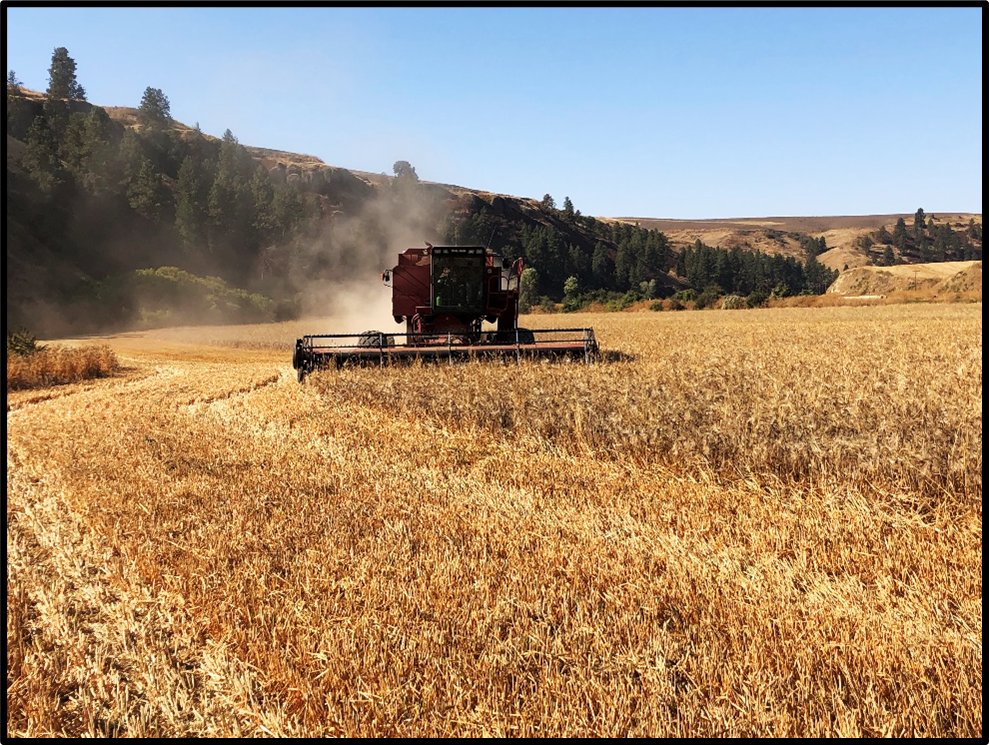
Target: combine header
[443, 294]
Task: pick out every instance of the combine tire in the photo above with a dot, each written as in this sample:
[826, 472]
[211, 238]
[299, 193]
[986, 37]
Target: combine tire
[526, 337]
[375, 340]
[522, 336]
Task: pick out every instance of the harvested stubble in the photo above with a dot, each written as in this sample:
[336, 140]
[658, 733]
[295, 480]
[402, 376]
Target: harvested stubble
[768, 524]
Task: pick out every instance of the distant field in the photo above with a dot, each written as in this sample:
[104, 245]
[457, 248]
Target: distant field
[745, 523]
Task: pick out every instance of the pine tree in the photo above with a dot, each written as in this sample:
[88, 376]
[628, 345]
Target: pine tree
[191, 195]
[147, 194]
[919, 224]
[601, 266]
[62, 81]
[155, 111]
[41, 156]
[100, 169]
[900, 234]
[62, 88]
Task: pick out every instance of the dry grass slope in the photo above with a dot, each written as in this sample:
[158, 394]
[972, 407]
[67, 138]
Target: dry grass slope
[764, 523]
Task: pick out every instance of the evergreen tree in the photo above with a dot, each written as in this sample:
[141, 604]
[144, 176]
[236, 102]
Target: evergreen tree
[919, 224]
[62, 88]
[147, 194]
[601, 266]
[41, 159]
[900, 234]
[580, 262]
[817, 276]
[62, 81]
[191, 199]
[224, 211]
[72, 148]
[154, 112]
[624, 264]
[655, 254]
[568, 211]
[234, 161]
[100, 170]
[290, 211]
[262, 194]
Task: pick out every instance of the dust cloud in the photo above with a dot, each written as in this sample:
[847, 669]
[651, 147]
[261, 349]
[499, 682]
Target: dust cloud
[352, 251]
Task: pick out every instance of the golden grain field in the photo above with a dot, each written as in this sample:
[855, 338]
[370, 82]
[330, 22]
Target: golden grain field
[744, 523]
[58, 365]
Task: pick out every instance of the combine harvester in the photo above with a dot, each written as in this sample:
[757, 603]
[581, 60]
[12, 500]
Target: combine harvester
[443, 294]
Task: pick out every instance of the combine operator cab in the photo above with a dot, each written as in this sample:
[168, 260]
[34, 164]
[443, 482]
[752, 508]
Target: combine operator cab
[443, 295]
[451, 290]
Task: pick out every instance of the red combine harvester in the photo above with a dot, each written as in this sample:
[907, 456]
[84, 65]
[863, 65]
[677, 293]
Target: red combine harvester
[443, 294]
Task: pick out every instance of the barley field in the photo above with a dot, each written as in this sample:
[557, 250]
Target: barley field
[737, 523]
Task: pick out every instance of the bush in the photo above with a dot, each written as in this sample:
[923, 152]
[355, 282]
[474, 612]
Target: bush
[685, 296]
[733, 302]
[169, 296]
[22, 343]
[707, 299]
[780, 291]
[756, 299]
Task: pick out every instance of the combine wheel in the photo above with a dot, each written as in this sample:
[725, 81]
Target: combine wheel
[374, 340]
[526, 337]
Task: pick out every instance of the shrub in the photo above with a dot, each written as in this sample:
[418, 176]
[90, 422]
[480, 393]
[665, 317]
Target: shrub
[707, 299]
[756, 299]
[733, 302]
[22, 343]
[685, 296]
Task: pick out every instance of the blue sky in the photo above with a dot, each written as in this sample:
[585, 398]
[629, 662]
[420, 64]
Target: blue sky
[649, 112]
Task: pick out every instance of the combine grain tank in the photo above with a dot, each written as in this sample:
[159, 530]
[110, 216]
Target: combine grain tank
[442, 295]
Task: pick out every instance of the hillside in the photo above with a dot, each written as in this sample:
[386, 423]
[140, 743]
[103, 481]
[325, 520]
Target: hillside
[321, 225]
[962, 279]
[771, 235]
[780, 235]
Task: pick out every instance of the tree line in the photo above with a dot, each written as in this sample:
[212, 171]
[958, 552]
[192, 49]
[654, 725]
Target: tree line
[927, 240]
